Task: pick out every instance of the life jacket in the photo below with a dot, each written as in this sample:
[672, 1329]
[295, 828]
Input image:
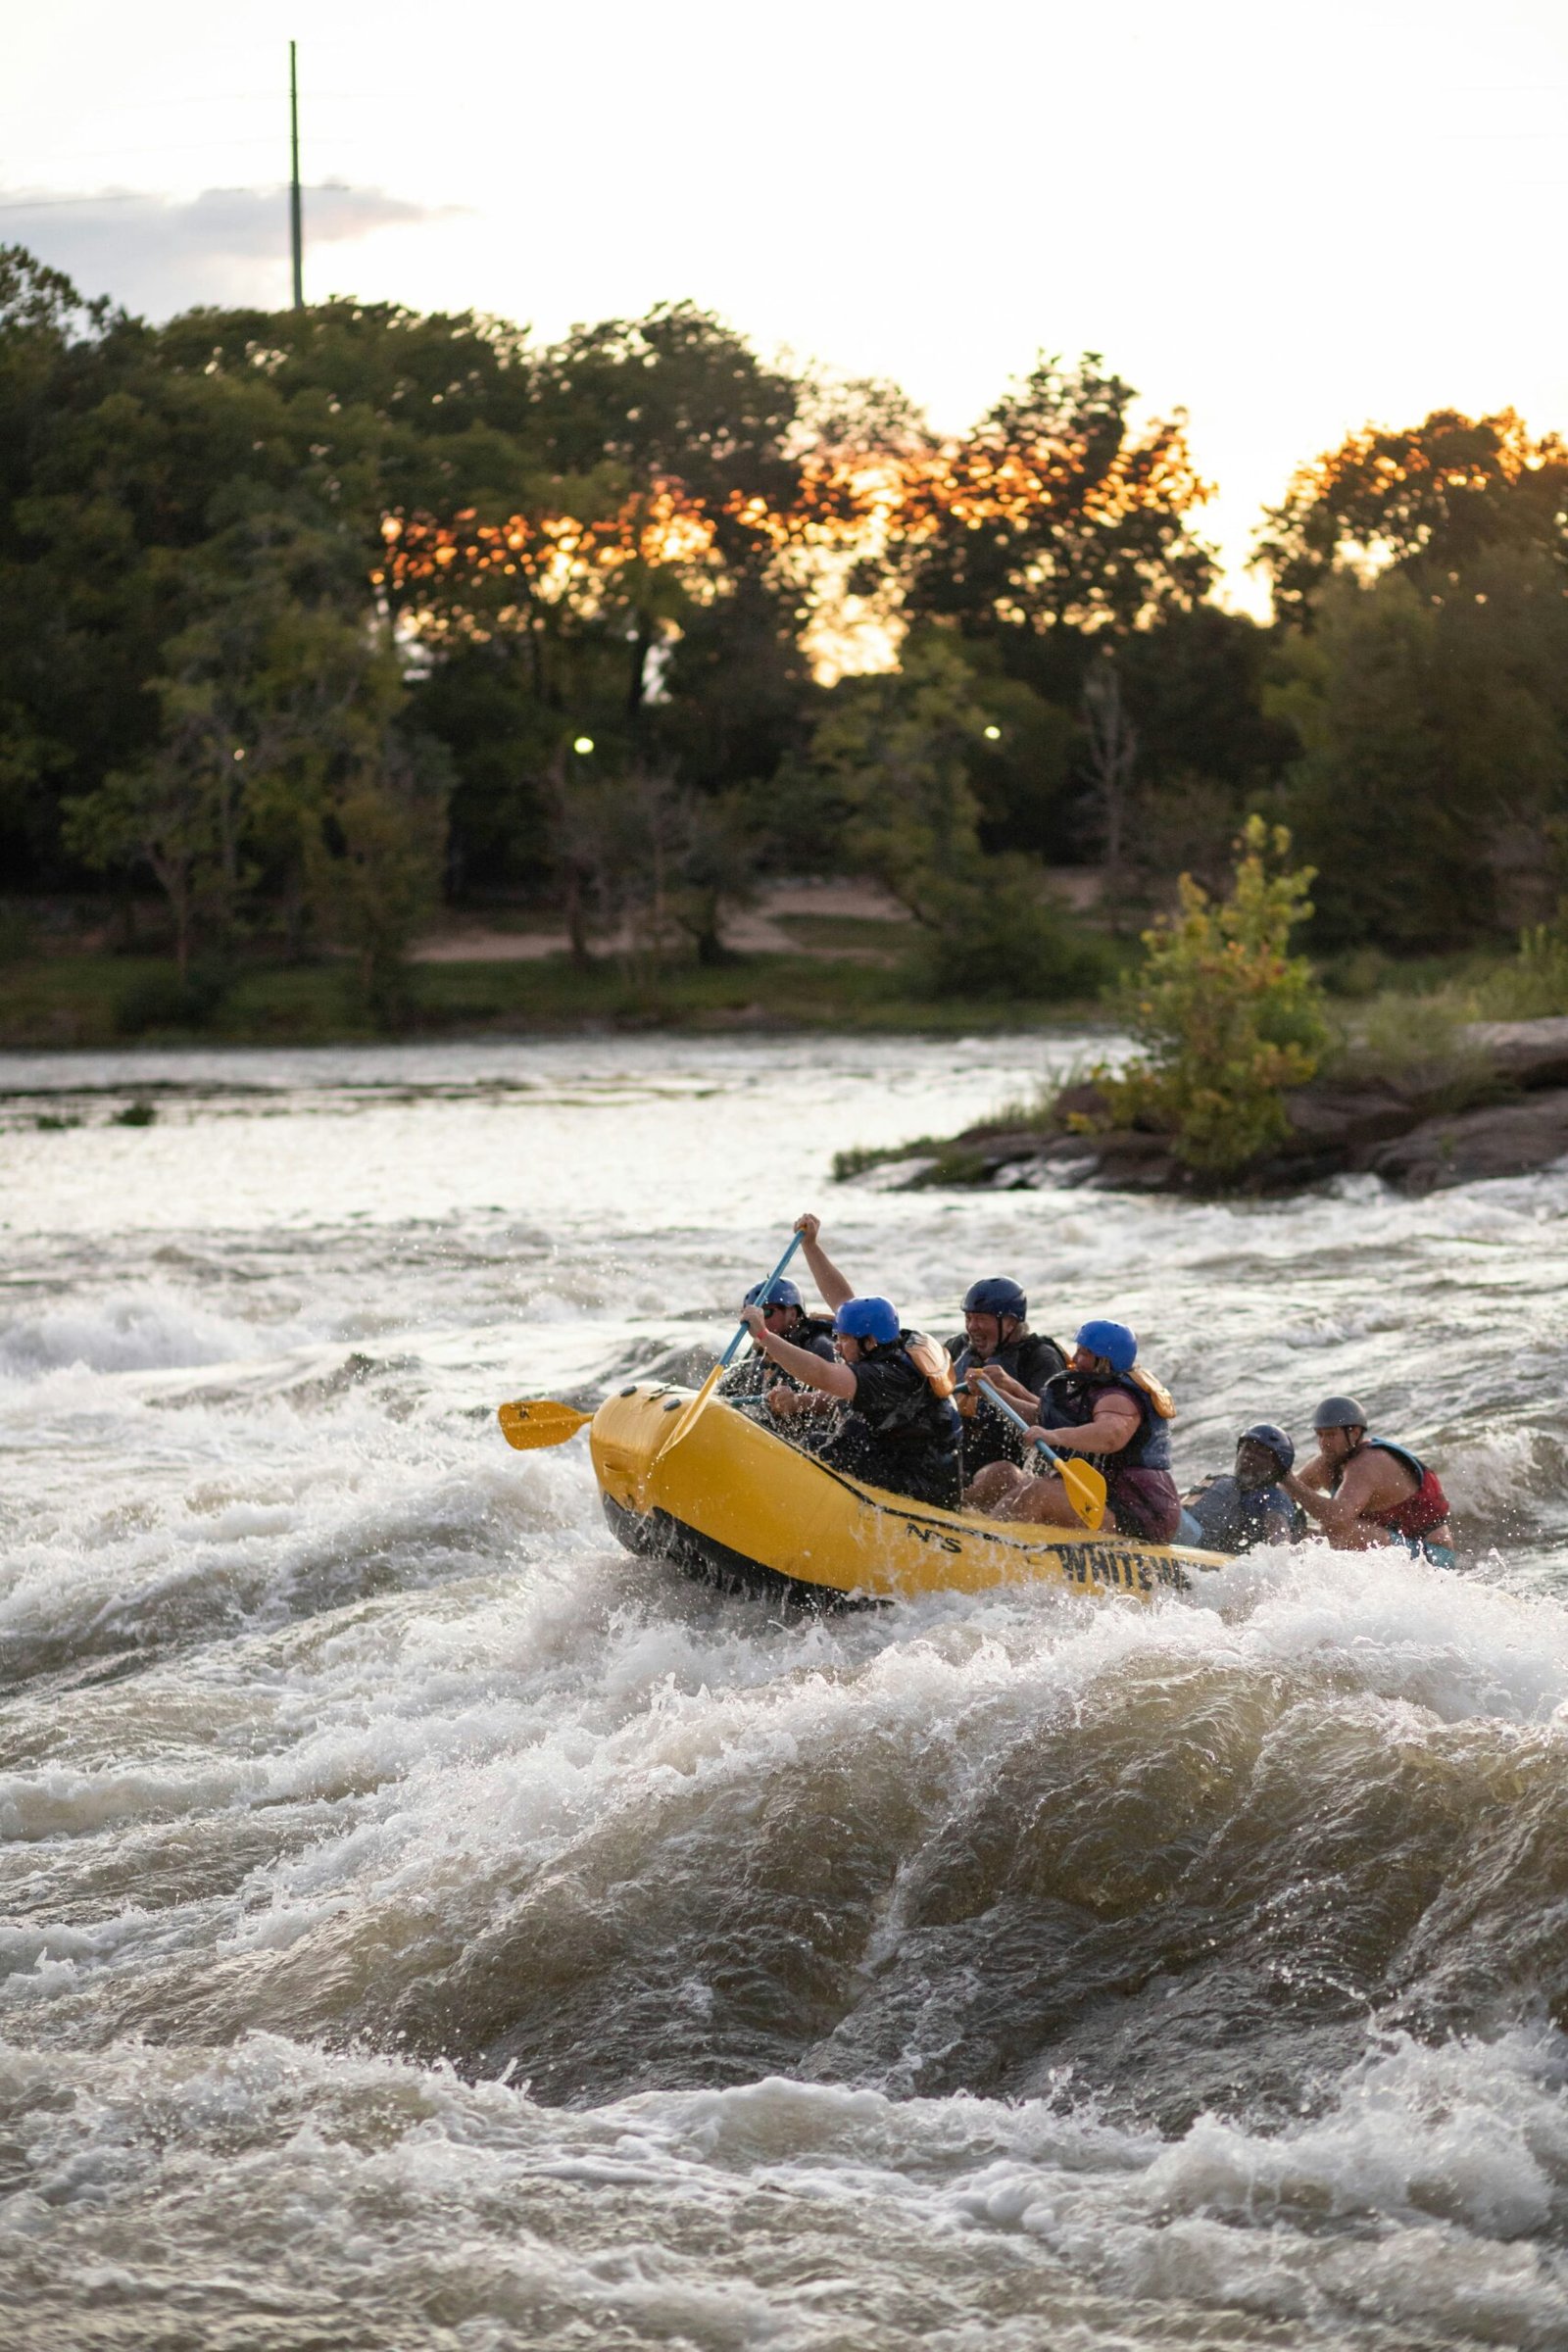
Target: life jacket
[816, 1332]
[756, 1373]
[1069, 1403]
[913, 1444]
[1029, 1356]
[931, 1358]
[1420, 1512]
[1233, 1517]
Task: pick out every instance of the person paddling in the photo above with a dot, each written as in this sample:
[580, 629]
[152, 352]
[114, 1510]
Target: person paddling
[1366, 1492]
[1106, 1407]
[784, 1313]
[996, 1331]
[898, 1429]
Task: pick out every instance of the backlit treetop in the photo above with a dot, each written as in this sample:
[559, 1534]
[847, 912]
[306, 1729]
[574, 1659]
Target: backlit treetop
[1435, 493]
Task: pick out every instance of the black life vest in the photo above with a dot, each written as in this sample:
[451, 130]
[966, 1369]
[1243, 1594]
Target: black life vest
[909, 1445]
[988, 1435]
[757, 1373]
[1029, 1356]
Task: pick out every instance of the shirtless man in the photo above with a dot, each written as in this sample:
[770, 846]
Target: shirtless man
[1366, 1492]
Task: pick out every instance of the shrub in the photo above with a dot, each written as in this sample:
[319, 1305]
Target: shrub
[1227, 1019]
[1534, 984]
[165, 1000]
[991, 935]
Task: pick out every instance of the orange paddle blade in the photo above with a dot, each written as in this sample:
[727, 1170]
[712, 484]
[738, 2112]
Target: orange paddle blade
[1086, 1491]
[539, 1421]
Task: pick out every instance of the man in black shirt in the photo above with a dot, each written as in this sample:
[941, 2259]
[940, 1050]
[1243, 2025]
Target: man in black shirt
[785, 1316]
[996, 1332]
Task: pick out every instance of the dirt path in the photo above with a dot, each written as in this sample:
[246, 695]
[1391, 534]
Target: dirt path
[756, 930]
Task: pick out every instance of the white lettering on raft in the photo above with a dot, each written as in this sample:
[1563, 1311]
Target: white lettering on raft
[1083, 1564]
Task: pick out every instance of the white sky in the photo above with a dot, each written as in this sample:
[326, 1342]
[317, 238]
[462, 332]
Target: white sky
[1290, 220]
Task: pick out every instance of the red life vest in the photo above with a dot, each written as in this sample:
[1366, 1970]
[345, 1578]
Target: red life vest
[1420, 1512]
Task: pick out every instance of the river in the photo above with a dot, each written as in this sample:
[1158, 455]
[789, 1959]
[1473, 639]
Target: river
[424, 1925]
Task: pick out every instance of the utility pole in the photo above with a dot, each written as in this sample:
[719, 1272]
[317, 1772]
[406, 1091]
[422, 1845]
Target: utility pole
[296, 214]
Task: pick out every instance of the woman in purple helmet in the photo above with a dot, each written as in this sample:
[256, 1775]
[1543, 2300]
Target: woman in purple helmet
[1115, 1415]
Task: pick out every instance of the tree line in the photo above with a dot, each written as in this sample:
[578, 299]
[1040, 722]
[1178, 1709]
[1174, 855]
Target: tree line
[315, 616]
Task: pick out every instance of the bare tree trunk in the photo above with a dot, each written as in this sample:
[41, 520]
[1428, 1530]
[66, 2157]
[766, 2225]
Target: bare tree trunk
[1112, 751]
[640, 644]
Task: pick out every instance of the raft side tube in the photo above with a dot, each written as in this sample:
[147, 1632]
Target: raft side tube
[731, 1497]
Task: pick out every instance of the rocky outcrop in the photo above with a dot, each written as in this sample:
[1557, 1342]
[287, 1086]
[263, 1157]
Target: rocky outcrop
[1500, 1110]
[1505, 1139]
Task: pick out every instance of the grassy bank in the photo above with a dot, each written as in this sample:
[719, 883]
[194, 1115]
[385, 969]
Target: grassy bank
[64, 1001]
[1413, 1032]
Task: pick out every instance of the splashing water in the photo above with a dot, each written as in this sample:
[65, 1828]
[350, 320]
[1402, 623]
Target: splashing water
[422, 1924]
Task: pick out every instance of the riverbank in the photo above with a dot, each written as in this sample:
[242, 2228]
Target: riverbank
[1496, 1106]
[59, 1001]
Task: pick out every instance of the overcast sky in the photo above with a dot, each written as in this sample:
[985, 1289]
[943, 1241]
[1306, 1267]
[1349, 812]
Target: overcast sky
[1287, 218]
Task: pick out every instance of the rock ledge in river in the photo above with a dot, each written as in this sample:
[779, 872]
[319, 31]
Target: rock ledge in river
[1406, 1132]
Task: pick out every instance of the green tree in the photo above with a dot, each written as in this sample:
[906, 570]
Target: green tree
[373, 864]
[1225, 1015]
[161, 812]
[281, 756]
[1056, 513]
[1435, 722]
[1435, 496]
[892, 754]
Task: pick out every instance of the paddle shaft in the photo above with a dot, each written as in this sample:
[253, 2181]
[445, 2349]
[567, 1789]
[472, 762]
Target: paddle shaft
[1034, 1437]
[685, 1421]
[1083, 1485]
[743, 1329]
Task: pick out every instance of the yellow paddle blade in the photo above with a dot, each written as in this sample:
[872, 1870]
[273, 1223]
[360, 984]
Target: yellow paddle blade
[1086, 1491]
[683, 1421]
[539, 1421]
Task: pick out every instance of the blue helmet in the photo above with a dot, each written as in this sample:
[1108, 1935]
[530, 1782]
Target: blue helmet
[1115, 1341]
[868, 1319]
[778, 1292]
[995, 1296]
[1269, 1434]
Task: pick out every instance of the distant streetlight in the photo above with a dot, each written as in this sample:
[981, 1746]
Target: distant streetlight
[584, 743]
[993, 734]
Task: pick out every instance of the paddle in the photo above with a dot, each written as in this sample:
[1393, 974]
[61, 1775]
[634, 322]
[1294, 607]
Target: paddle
[684, 1422]
[539, 1421]
[1085, 1486]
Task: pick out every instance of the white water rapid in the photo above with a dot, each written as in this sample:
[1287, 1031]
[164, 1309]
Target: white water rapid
[424, 1925]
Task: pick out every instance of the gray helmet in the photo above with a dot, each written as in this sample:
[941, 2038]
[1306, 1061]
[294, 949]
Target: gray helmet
[1340, 1413]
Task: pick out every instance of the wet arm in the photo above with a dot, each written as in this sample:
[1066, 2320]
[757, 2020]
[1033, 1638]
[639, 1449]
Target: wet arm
[1113, 1426]
[830, 1283]
[991, 1376]
[1338, 1515]
[1107, 1432]
[833, 1380]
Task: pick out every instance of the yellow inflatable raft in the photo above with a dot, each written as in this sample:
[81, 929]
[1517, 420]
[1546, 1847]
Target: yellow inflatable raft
[733, 1503]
